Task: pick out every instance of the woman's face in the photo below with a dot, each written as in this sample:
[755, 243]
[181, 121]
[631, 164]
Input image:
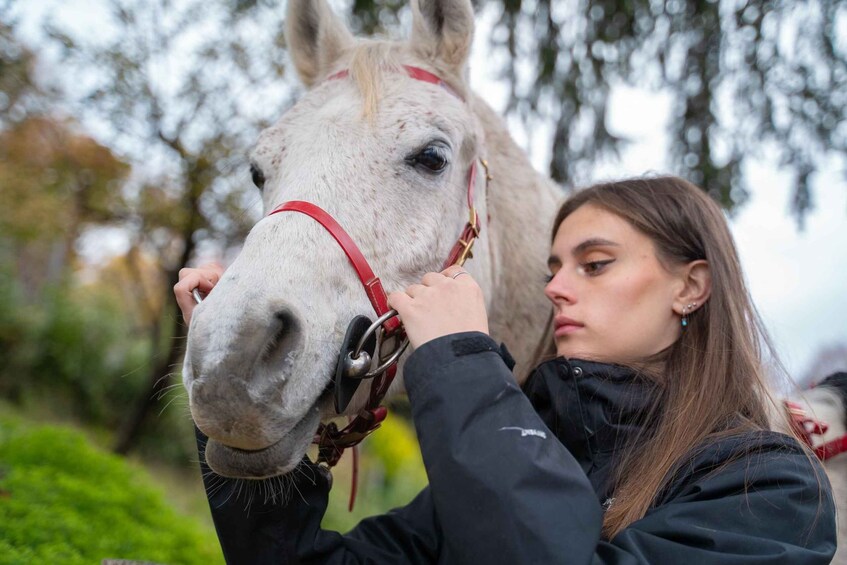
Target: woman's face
[613, 300]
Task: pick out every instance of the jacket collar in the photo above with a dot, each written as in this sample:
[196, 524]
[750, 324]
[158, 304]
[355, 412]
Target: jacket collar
[593, 408]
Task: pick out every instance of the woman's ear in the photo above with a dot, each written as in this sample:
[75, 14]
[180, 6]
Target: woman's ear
[316, 38]
[696, 278]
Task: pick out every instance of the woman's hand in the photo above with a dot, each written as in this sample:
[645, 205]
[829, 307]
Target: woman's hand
[445, 303]
[202, 278]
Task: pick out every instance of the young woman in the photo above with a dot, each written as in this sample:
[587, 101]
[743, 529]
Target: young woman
[643, 436]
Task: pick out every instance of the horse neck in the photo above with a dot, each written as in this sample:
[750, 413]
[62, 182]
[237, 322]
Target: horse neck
[521, 205]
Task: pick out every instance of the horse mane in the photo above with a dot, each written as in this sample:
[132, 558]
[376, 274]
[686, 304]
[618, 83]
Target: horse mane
[370, 60]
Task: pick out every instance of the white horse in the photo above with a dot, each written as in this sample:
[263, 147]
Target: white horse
[388, 157]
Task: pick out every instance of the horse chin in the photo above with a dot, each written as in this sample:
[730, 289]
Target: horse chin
[274, 460]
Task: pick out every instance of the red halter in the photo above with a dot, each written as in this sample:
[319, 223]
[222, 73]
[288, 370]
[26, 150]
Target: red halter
[330, 440]
[806, 427]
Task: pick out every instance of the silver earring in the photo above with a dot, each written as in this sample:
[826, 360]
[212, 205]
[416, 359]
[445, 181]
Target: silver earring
[685, 311]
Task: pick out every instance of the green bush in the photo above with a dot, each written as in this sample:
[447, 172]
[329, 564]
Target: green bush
[64, 501]
[73, 347]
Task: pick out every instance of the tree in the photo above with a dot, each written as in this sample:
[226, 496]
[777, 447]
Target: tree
[58, 182]
[20, 94]
[743, 76]
[185, 87]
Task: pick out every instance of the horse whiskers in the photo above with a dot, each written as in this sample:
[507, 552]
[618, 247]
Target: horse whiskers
[173, 391]
[171, 401]
[163, 377]
[168, 389]
[302, 470]
[133, 371]
[273, 490]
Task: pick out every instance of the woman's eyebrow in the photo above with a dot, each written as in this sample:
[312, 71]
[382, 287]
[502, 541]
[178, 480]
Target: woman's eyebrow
[592, 242]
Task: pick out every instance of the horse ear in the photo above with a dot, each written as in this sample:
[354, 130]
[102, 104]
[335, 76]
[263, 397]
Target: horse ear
[316, 37]
[442, 30]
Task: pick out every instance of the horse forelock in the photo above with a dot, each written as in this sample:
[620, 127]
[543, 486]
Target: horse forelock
[370, 61]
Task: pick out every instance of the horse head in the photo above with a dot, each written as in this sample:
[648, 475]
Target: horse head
[388, 157]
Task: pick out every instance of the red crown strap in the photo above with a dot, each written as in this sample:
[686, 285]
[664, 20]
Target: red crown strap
[416, 73]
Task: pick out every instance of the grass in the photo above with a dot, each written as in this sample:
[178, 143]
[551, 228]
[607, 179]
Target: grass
[64, 501]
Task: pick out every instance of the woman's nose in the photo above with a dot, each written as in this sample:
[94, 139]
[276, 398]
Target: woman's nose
[559, 289]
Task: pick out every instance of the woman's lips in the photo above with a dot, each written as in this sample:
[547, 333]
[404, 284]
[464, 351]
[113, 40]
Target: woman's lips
[565, 326]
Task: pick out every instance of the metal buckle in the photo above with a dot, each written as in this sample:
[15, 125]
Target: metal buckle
[488, 177]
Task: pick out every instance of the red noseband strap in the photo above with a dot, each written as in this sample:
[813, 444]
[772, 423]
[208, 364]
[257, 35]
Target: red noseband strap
[371, 282]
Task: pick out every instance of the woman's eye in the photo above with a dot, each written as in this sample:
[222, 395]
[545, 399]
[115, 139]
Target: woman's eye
[258, 176]
[594, 267]
[433, 158]
[548, 278]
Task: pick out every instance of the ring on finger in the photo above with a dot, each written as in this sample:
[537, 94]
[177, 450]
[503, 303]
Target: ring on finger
[460, 273]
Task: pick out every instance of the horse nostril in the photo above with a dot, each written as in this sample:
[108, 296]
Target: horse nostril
[284, 340]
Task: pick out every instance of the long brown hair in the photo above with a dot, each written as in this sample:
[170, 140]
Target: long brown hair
[712, 382]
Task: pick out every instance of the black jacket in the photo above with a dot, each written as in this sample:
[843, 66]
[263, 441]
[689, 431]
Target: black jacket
[523, 476]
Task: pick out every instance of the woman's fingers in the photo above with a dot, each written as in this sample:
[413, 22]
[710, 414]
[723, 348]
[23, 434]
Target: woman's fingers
[440, 306]
[432, 279]
[456, 273]
[202, 278]
[183, 294]
[399, 301]
[415, 290]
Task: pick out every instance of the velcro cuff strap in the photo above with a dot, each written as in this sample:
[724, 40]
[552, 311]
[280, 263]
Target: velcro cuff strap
[481, 344]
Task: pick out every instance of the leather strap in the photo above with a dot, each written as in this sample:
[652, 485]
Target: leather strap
[807, 427]
[416, 73]
[371, 283]
[831, 448]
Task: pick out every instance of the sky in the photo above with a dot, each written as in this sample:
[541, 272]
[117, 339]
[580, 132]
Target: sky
[798, 279]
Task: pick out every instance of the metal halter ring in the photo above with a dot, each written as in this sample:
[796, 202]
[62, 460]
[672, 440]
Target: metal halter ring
[385, 362]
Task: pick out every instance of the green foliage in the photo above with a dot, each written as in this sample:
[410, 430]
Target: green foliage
[63, 501]
[71, 346]
[45, 166]
[391, 474]
[21, 94]
[740, 75]
[396, 449]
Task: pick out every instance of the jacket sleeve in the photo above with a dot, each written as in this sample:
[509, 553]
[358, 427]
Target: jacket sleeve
[254, 527]
[505, 490]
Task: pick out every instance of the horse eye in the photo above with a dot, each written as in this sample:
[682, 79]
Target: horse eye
[257, 175]
[433, 158]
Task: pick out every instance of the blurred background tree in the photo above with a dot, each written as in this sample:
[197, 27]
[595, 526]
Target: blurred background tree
[184, 94]
[743, 76]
